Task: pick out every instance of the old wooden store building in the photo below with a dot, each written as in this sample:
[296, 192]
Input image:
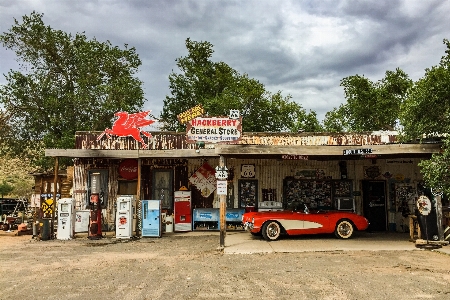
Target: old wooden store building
[370, 173]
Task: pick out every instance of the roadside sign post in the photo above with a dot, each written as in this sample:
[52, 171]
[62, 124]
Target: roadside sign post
[222, 174]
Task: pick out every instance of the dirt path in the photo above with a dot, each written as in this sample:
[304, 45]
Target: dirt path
[191, 267]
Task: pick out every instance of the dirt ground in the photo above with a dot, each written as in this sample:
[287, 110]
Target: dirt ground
[192, 267]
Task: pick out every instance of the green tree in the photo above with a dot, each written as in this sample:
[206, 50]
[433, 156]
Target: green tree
[4, 128]
[5, 188]
[65, 84]
[335, 119]
[426, 113]
[370, 106]
[219, 88]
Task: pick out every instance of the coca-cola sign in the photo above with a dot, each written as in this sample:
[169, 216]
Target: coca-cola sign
[128, 169]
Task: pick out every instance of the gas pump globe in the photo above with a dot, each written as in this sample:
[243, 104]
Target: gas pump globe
[95, 219]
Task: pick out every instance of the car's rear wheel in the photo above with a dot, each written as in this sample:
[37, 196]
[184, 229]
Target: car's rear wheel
[271, 231]
[344, 229]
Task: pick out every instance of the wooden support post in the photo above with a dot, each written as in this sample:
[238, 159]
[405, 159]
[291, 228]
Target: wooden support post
[55, 191]
[438, 198]
[223, 201]
[138, 200]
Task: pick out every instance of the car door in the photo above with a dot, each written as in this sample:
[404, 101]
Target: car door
[310, 223]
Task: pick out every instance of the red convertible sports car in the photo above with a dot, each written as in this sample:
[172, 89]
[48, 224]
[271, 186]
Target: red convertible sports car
[272, 224]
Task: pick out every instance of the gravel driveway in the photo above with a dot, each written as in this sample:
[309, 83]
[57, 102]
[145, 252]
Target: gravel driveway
[189, 266]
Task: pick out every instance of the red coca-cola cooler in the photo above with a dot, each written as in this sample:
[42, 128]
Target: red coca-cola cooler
[182, 211]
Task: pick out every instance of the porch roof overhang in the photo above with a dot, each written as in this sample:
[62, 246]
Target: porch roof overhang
[258, 151]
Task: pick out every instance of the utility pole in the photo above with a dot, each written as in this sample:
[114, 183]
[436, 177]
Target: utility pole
[55, 191]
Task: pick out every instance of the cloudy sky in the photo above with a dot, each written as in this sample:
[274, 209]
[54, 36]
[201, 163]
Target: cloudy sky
[303, 48]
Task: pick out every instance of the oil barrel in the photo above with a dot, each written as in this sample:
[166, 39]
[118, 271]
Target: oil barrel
[45, 231]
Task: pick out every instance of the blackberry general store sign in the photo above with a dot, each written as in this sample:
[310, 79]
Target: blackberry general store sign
[214, 130]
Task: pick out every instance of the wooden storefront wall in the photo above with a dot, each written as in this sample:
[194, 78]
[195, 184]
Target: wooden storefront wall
[269, 174]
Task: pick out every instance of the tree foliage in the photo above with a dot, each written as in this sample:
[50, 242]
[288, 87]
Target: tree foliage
[5, 188]
[370, 105]
[427, 109]
[219, 88]
[425, 113]
[65, 84]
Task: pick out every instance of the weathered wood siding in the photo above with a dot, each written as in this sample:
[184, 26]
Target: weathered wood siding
[177, 140]
[270, 173]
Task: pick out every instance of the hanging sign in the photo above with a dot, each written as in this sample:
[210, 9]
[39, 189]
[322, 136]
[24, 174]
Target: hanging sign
[128, 169]
[214, 130]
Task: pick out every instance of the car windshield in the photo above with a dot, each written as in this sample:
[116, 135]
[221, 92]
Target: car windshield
[297, 205]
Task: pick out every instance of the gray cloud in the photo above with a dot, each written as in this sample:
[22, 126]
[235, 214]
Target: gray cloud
[303, 48]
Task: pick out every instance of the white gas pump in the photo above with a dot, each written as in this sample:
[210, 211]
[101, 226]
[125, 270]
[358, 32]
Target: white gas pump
[124, 217]
[66, 219]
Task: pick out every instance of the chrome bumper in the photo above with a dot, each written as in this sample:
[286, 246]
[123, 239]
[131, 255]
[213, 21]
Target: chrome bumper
[248, 226]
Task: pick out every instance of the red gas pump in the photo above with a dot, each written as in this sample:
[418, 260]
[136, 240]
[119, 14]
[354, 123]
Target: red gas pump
[95, 218]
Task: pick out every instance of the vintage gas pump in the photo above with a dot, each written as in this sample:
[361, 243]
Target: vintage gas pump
[95, 219]
[124, 217]
[66, 219]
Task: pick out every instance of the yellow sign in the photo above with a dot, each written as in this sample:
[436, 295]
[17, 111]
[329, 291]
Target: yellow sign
[399, 177]
[47, 206]
[191, 113]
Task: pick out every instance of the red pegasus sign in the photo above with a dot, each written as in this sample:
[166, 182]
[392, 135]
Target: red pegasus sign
[129, 125]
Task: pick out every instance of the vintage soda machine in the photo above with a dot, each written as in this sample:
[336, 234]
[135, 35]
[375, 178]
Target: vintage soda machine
[151, 218]
[95, 218]
[124, 216]
[182, 211]
[66, 219]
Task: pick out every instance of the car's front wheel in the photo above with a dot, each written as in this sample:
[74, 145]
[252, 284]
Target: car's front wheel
[271, 231]
[344, 229]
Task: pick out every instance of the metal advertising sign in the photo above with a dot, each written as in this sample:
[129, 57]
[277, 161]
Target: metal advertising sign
[191, 113]
[128, 169]
[357, 151]
[294, 157]
[129, 125]
[214, 130]
[221, 187]
[221, 173]
[204, 180]
[423, 205]
[235, 114]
